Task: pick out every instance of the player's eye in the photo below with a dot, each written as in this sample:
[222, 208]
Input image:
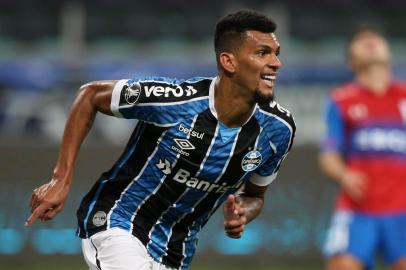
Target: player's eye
[262, 53]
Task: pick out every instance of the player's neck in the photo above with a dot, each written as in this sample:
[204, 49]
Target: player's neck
[375, 79]
[233, 107]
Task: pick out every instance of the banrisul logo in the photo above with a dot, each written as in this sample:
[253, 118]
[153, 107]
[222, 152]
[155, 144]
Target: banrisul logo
[251, 161]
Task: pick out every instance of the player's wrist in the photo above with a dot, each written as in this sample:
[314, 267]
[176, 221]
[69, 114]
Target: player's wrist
[62, 177]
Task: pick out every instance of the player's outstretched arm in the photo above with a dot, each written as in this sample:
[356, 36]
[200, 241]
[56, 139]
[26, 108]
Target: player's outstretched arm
[240, 209]
[49, 199]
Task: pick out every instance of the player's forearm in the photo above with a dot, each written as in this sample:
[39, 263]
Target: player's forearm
[252, 205]
[78, 124]
[333, 165]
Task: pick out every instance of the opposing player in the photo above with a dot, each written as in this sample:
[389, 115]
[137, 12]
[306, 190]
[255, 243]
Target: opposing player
[365, 152]
[199, 143]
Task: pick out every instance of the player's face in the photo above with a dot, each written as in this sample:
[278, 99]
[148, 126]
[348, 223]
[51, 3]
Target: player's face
[368, 49]
[258, 64]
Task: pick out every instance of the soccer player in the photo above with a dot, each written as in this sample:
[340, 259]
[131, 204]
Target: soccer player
[198, 143]
[365, 152]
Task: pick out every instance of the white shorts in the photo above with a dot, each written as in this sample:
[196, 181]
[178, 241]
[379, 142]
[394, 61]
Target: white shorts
[117, 249]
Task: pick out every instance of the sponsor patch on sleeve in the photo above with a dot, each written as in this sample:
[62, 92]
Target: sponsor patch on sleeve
[131, 93]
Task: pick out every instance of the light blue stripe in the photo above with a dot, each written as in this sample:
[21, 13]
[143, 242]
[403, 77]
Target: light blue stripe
[215, 162]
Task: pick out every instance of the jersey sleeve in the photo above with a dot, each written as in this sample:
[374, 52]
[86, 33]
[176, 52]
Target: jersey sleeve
[268, 170]
[334, 135]
[157, 100]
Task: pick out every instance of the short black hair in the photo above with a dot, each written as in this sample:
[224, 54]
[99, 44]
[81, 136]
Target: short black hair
[233, 26]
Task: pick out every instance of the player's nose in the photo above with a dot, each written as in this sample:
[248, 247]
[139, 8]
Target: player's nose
[274, 62]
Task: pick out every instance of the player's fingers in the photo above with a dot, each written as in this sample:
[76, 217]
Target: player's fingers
[36, 198]
[51, 213]
[239, 210]
[236, 234]
[32, 200]
[38, 213]
[233, 224]
[237, 219]
[235, 230]
[35, 203]
[230, 203]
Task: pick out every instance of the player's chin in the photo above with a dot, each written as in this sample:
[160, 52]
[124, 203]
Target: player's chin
[264, 96]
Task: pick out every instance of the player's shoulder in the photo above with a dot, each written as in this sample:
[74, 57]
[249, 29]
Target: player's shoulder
[345, 92]
[275, 112]
[165, 89]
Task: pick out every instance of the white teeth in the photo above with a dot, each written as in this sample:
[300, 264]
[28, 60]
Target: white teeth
[268, 77]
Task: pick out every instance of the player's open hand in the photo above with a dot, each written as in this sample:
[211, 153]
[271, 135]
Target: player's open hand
[234, 218]
[47, 201]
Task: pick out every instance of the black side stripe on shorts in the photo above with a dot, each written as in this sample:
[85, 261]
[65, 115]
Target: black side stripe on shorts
[97, 259]
[231, 176]
[146, 217]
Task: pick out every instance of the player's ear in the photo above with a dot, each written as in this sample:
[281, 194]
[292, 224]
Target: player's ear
[227, 61]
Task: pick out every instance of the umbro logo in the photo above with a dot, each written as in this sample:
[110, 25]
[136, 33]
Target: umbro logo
[184, 144]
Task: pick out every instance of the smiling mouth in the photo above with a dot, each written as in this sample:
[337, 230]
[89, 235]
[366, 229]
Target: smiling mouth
[268, 77]
[269, 80]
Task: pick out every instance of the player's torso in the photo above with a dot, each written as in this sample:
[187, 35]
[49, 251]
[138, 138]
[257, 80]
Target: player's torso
[375, 143]
[195, 162]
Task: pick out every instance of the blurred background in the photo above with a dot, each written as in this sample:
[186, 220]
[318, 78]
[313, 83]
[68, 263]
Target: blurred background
[49, 48]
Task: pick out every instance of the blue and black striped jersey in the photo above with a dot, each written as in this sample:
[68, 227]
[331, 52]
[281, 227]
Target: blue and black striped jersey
[180, 164]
